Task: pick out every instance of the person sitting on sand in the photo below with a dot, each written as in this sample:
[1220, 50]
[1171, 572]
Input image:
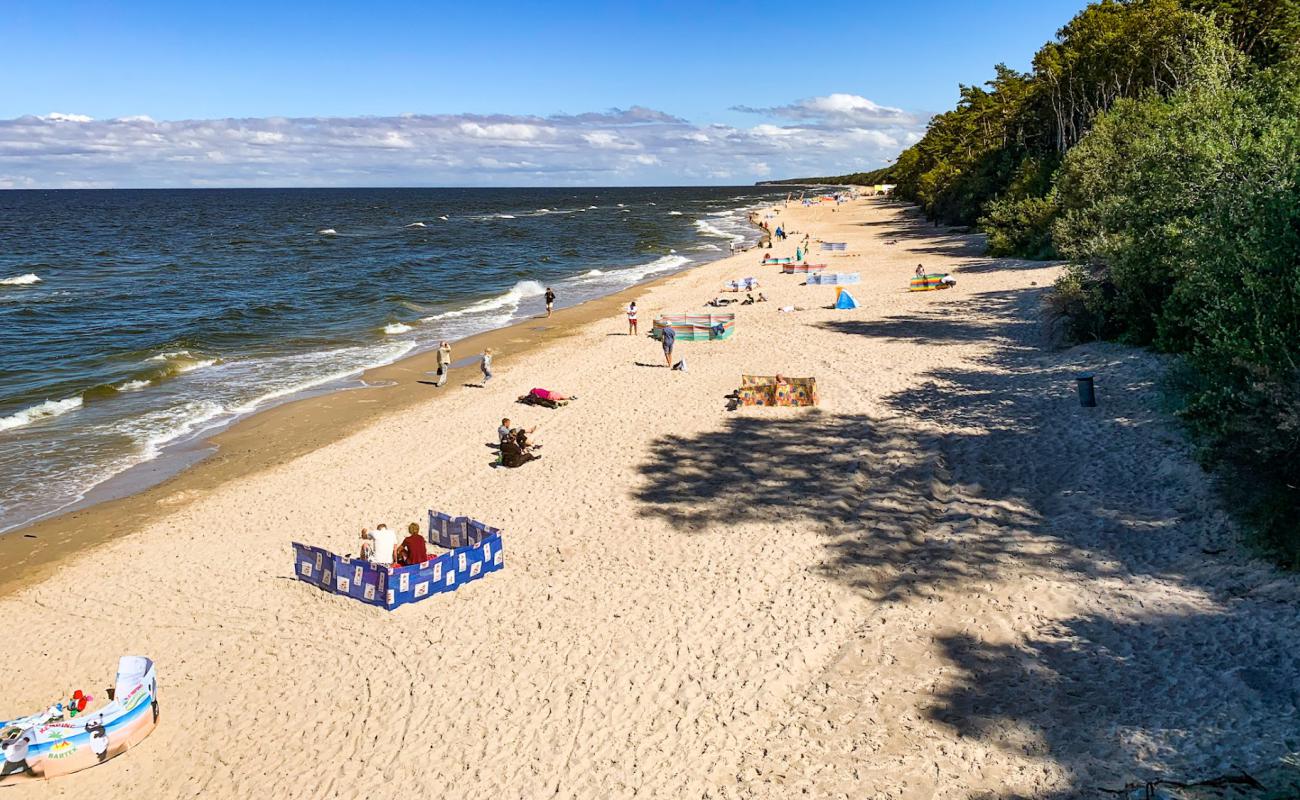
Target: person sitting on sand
[761, 298]
[378, 546]
[920, 271]
[748, 301]
[505, 431]
[413, 549]
[513, 453]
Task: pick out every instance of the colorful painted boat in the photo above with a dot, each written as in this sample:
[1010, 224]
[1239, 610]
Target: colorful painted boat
[47, 745]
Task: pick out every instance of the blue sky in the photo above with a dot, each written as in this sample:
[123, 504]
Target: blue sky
[285, 77]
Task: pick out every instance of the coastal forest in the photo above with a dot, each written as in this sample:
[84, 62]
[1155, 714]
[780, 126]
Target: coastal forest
[1155, 147]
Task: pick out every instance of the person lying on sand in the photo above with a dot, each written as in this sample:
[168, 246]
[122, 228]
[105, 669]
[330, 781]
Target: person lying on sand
[546, 397]
[412, 550]
[790, 309]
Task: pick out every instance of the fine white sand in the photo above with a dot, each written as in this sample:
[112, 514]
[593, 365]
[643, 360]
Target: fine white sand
[948, 581]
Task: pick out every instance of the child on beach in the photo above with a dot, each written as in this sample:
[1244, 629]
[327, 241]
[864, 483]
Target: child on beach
[550, 300]
[631, 318]
[486, 366]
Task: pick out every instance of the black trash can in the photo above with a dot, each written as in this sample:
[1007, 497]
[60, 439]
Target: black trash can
[1087, 394]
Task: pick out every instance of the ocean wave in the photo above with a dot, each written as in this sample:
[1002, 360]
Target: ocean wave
[594, 272]
[415, 225]
[179, 362]
[325, 367]
[394, 328]
[131, 386]
[21, 280]
[505, 216]
[709, 230]
[674, 213]
[327, 232]
[706, 247]
[444, 218]
[510, 299]
[46, 410]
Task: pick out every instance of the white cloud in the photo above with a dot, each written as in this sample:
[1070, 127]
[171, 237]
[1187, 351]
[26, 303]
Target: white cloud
[831, 134]
[55, 116]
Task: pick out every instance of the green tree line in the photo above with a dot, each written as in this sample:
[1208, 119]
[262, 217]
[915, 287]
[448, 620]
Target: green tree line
[1155, 146]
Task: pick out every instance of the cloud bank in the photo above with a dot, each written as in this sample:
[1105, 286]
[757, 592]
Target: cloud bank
[818, 136]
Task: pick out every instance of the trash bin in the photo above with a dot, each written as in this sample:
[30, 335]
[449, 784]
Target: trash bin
[1087, 394]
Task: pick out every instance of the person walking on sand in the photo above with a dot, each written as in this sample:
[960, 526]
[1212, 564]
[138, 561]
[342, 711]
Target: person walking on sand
[631, 318]
[550, 300]
[444, 362]
[670, 338]
[486, 365]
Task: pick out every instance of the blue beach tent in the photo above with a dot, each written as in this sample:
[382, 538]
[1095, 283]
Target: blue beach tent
[845, 300]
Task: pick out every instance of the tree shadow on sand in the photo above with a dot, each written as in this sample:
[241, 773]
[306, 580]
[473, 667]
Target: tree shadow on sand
[1009, 482]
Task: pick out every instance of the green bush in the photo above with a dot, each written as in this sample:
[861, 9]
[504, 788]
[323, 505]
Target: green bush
[1020, 227]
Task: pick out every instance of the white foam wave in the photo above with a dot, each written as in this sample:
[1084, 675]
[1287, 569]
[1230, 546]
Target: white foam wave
[46, 410]
[444, 218]
[709, 230]
[706, 247]
[327, 232]
[416, 225]
[394, 328]
[325, 367]
[593, 206]
[674, 213]
[505, 216]
[21, 280]
[131, 386]
[593, 272]
[510, 299]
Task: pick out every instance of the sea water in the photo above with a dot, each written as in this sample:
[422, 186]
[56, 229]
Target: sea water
[134, 321]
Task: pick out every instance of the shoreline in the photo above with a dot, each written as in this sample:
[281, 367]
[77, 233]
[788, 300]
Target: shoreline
[914, 589]
[276, 434]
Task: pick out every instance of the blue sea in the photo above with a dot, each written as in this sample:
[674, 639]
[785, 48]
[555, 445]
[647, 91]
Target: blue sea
[134, 321]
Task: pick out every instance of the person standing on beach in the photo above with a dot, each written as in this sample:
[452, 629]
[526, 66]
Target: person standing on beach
[631, 319]
[550, 300]
[670, 338]
[486, 366]
[444, 361]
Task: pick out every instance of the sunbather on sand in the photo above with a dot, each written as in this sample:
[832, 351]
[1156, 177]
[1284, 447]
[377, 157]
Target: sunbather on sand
[546, 397]
[379, 545]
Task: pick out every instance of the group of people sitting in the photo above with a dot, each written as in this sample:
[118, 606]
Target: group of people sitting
[721, 302]
[516, 449]
[380, 546]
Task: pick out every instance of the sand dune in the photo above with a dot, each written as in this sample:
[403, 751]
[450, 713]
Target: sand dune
[948, 581]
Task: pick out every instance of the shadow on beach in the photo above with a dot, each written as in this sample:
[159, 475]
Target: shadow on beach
[992, 474]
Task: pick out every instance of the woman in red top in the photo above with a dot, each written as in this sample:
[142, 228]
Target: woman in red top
[412, 550]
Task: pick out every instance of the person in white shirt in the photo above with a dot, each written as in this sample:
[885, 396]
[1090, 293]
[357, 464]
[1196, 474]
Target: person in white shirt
[631, 319]
[378, 546]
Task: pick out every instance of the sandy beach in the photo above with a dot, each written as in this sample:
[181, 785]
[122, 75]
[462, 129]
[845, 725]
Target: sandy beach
[946, 581]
